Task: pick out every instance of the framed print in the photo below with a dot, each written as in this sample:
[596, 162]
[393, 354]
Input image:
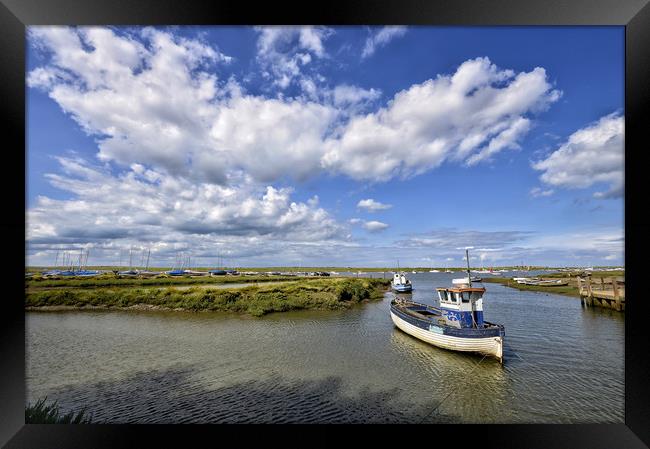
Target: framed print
[409, 213]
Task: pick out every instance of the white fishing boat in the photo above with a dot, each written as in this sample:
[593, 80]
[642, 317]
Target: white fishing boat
[457, 324]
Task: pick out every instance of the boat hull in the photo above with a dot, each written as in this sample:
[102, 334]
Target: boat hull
[401, 288]
[488, 343]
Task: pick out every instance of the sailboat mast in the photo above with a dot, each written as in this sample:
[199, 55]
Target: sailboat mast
[148, 254]
[469, 276]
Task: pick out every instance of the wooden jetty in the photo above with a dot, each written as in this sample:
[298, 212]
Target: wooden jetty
[602, 292]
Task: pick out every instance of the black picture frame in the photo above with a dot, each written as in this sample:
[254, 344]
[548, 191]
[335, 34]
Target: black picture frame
[15, 15]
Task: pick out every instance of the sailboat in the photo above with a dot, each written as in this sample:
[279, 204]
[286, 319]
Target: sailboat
[85, 272]
[180, 271]
[130, 271]
[146, 272]
[188, 271]
[218, 271]
[457, 324]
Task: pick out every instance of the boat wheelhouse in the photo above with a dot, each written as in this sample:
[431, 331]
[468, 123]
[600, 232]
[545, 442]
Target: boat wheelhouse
[457, 324]
[401, 284]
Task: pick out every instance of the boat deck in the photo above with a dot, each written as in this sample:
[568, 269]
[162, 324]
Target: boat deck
[431, 313]
[425, 314]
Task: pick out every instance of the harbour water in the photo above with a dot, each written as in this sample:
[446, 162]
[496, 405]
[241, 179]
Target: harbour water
[563, 364]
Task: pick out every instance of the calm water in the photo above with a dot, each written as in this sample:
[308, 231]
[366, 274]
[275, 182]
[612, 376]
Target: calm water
[564, 364]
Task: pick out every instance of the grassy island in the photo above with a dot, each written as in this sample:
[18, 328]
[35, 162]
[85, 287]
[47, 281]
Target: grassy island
[110, 280]
[257, 300]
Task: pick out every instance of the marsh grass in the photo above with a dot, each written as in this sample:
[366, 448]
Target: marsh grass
[41, 413]
[116, 281]
[328, 294]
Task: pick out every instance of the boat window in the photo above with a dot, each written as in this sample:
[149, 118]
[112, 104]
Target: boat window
[465, 296]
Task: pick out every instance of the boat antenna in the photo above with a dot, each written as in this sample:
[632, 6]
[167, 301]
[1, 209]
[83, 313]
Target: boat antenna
[469, 276]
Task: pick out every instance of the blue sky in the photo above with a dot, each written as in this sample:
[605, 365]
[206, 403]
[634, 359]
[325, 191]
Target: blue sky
[347, 146]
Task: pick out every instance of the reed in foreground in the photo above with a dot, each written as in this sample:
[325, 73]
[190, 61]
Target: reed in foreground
[40, 413]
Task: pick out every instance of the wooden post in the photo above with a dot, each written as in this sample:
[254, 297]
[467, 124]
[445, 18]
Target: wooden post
[617, 298]
[582, 299]
[590, 294]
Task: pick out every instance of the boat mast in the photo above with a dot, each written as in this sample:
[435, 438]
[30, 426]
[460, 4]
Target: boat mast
[148, 254]
[469, 276]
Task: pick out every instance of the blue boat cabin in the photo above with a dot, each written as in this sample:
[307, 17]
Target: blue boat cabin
[462, 306]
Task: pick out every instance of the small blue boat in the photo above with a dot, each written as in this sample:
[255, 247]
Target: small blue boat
[218, 272]
[401, 284]
[86, 273]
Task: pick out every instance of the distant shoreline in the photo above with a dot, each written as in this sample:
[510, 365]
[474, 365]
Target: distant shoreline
[331, 269]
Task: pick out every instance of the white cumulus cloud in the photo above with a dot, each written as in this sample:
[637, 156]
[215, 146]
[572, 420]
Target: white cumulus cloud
[591, 155]
[469, 116]
[374, 226]
[285, 51]
[373, 206]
